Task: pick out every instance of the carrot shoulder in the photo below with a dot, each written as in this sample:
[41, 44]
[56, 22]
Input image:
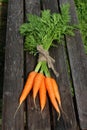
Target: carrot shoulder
[42, 95]
[51, 94]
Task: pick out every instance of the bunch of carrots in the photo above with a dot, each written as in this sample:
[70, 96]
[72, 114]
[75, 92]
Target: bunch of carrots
[41, 84]
[42, 31]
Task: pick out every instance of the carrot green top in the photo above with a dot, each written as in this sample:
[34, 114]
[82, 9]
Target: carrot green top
[44, 29]
[41, 31]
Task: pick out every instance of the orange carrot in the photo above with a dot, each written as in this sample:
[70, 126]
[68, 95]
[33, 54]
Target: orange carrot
[57, 95]
[56, 91]
[42, 95]
[51, 93]
[27, 88]
[37, 83]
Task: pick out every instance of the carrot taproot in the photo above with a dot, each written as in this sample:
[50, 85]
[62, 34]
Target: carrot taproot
[56, 91]
[27, 88]
[51, 94]
[37, 83]
[42, 95]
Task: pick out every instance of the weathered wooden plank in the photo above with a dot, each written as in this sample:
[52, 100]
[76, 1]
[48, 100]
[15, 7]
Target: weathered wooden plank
[59, 55]
[78, 63]
[35, 119]
[13, 75]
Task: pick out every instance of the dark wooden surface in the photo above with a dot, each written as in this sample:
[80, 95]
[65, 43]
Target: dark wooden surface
[18, 64]
[13, 75]
[78, 64]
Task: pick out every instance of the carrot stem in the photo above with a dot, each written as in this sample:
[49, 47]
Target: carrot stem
[45, 69]
[38, 66]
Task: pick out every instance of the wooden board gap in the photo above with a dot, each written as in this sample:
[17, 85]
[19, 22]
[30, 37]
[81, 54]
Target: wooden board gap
[71, 83]
[41, 5]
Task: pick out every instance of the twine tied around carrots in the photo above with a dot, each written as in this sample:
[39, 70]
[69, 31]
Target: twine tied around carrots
[44, 56]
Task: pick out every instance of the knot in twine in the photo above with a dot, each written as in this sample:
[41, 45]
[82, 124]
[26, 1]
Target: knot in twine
[44, 56]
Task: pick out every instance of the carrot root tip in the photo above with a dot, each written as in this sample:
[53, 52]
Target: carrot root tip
[63, 112]
[35, 104]
[58, 116]
[17, 110]
[41, 110]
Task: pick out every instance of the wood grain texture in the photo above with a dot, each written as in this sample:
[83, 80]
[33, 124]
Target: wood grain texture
[60, 57]
[78, 63]
[13, 75]
[35, 119]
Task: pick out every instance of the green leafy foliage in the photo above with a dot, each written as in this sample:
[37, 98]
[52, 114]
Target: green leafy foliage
[81, 6]
[4, 1]
[44, 29]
